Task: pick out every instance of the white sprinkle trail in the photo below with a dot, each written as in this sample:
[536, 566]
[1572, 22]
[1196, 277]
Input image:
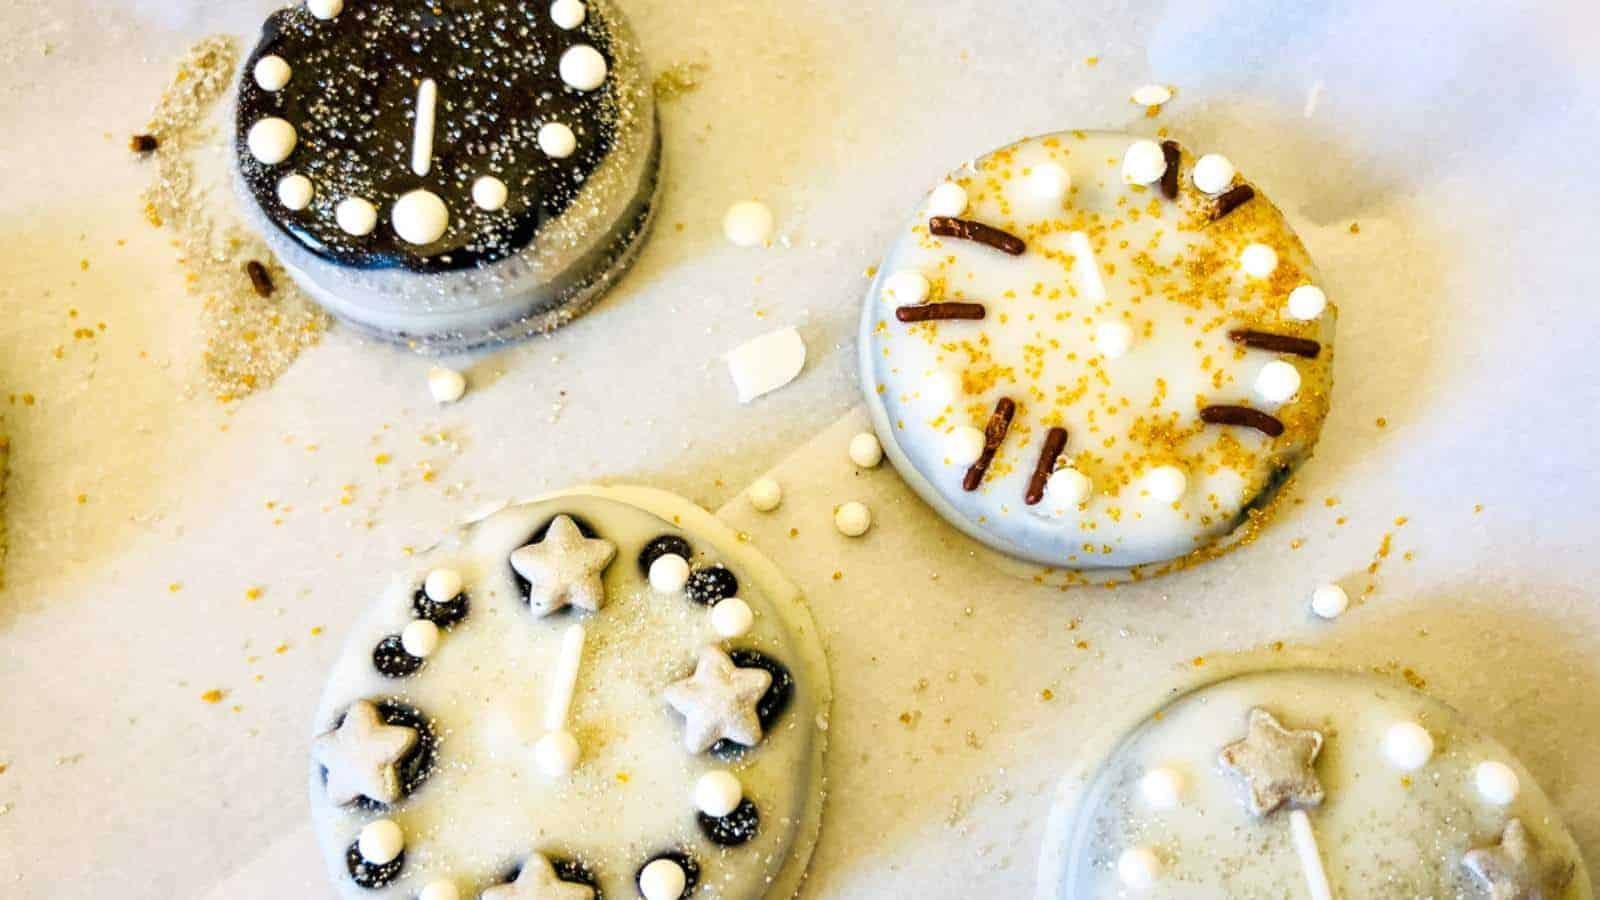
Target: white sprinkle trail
[422, 141]
[566, 679]
[1086, 267]
[1305, 844]
[1312, 98]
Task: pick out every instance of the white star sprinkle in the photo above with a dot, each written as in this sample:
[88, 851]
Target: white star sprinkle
[564, 569]
[1517, 867]
[538, 881]
[719, 701]
[361, 754]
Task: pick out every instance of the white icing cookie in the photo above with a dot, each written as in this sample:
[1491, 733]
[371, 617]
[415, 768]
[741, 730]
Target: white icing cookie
[1085, 321]
[1314, 783]
[562, 726]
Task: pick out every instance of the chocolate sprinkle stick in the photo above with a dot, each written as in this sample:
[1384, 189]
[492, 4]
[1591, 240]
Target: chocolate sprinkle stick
[1277, 343]
[1169, 178]
[1054, 442]
[993, 434]
[143, 143]
[968, 230]
[259, 279]
[1232, 199]
[1242, 415]
[927, 312]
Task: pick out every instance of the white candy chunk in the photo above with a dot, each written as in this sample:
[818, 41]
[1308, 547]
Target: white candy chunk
[1258, 260]
[381, 841]
[1213, 173]
[1114, 339]
[1277, 382]
[1496, 783]
[1138, 868]
[1144, 163]
[1307, 302]
[442, 585]
[1167, 484]
[732, 617]
[669, 573]
[948, 199]
[906, 287]
[1162, 788]
[1329, 601]
[295, 192]
[662, 879]
[557, 140]
[446, 385]
[325, 9]
[852, 519]
[865, 451]
[766, 494]
[568, 14]
[963, 445]
[748, 224]
[420, 638]
[583, 67]
[1152, 94]
[420, 217]
[1066, 489]
[1049, 181]
[440, 890]
[764, 364]
[489, 193]
[718, 793]
[556, 753]
[1408, 746]
[271, 140]
[356, 216]
[271, 73]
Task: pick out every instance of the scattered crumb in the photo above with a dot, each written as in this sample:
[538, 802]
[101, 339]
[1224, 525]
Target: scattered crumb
[214, 695]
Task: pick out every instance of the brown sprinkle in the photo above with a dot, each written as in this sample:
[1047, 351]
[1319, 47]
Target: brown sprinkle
[968, 230]
[926, 312]
[1169, 179]
[993, 435]
[259, 279]
[1242, 415]
[143, 143]
[1276, 343]
[1231, 199]
[1054, 442]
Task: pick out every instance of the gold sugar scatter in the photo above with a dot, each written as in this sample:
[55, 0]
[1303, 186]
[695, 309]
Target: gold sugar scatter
[679, 79]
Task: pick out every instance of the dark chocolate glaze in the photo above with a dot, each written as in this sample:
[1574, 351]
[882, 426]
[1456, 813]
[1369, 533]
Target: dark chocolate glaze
[352, 100]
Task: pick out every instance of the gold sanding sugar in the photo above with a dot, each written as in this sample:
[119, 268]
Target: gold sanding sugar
[5, 455]
[250, 339]
[678, 79]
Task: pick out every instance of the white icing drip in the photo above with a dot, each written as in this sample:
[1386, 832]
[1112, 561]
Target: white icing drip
[1086, 268]
[422, 137]
[1305, 846]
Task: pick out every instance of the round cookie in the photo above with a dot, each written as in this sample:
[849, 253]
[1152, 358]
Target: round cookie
[1306, 782]
[1086, 361]
[449, 174]
[539, 708]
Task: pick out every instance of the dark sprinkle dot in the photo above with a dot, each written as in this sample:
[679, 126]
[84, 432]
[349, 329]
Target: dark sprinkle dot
[769, 707]
[391, 659]
[710, 585]
[667, 544]
[371, 875]
[413, 768]
[441, 614]
[733, 829]
[689, 865]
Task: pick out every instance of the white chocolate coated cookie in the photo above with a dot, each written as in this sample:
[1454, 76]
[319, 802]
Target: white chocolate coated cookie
[1142, 340]
[553, 744]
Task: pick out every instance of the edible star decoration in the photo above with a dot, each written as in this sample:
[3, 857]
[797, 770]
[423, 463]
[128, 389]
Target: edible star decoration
[361, 754]
[1277, 764]
[1518, 867]
[538, 881]
[719, 701]
[564, 569]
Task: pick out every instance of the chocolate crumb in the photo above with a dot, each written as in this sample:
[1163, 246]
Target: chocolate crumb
[259, 279]
[1276, 343]
[1242, 415]
[926, 312]
[1232, 199]
[143, 143]
[1169, 179]
[968, 230]
[993, 435]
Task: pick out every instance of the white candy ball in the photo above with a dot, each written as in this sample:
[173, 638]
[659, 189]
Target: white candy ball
[1152, 95]
[1114, 339]
[295, 192]
[865, 451]
[1049, 181]
[1307, 302]
[852, 519]
[906, 287]
[446, 385]
[731, 618]
[669, 573]
[568, 14]
[420, 217]
[271, 140]
[718, 793]
[1167, 484]
[557, 140]
[1258, 260]
[356, 216]
[662, 879]
[766, 494]
[1162, 788]
[948, 199]
[1067, 489]
[748, 224]
[1408, 746]
[1143, 163]
[272, 73]
[1496, 783]
[1138, 867]
[963, 445]
[556, 753]
[1213, 173]
[1329, 601]
[440, 890]
[420, 638]
[489, 193]
[1277, 382]
[442, 585]
[325, 9]
[583, 67]
[381, 841]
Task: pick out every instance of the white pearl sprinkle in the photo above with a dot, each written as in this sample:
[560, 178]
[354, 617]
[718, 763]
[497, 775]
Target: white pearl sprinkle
[766, 494]
[1408, 746]
[271, 140]
[1049, 181]
[1277, 382]
[1167, 484]
[1143, 163]
[1213, 173]
[271, 73]
[852, 519]
[718, 793]
[1114, 339]
[489, 193]
[442, 585]
[568, 14]
[1258, 260]
[732, 617]
[356, 216]
[440, 890]
[1329, 601]
[295, 192]
[865, 451]
[963, 445]
[1162, 788]
[325, 9]
[446, 385]
[1138, 867]
[948, 199]
[381, 841]
[583, 67]
[748, 224]
[1496, 783]
[1152, 94]
[1307, 302]
[906, 287]
[1066, 490]
[420, 217]
[556, 753]
[669, 573]
[420, 638]
[662, 879]
[557, 140]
